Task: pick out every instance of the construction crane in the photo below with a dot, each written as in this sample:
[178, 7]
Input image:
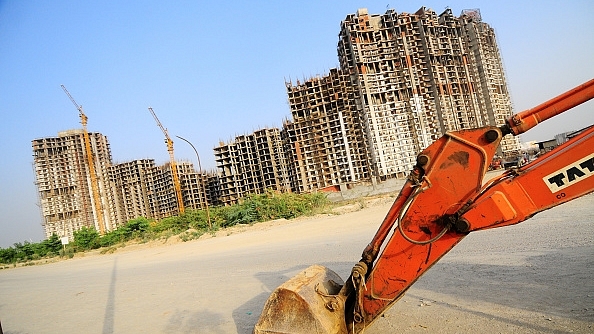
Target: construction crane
[91, 164]
[169, 142]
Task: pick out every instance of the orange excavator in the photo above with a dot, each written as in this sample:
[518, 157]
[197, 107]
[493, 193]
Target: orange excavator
[443, 200]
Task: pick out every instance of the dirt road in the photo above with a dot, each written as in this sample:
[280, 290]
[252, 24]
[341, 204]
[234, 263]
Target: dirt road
[536, 277]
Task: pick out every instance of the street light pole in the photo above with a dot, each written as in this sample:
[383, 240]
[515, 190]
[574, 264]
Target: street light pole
[201, 181]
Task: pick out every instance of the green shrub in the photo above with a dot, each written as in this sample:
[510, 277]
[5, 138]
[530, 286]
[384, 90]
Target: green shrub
[7, 255]
[197, 219]
[86, 239]
[138, 225]
[251, 209]
[113, 237]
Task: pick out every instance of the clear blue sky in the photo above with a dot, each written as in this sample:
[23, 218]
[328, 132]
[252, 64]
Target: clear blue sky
[216, 69]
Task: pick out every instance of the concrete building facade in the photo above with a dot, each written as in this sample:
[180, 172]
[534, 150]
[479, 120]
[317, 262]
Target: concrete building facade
[64, 183]
[128, 190]
[324, 140]
[403, 81]
[143, 189]
[420, 75]
[129, 181]
[251, 164]
[199, 189]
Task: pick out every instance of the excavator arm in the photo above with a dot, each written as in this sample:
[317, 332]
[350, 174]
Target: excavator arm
[443, 199]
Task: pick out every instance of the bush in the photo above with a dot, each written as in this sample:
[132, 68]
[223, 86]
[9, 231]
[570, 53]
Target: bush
[268, 206]
[197, 219]
[51, 246]
[113, 237]
[172, 224]
[253, 208]
[273, 205]
[7, 255]
[86, 238]
[137, 227]
[242, 213]
[68, 252]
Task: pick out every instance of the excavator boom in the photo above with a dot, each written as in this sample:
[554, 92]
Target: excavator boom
[443, 199]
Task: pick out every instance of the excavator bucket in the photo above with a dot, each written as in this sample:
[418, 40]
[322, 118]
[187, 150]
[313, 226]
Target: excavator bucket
[304, 304]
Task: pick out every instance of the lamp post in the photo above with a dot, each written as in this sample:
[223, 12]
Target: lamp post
[201, 181]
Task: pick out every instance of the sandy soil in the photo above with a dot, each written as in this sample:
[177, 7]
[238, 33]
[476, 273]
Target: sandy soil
[535, 277]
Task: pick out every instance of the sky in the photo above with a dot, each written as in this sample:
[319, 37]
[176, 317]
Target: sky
[212, 70]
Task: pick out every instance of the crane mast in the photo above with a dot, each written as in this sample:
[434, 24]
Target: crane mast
[90, 163]
[169, 142]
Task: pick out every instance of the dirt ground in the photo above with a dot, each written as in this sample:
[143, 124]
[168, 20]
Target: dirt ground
[535, 277]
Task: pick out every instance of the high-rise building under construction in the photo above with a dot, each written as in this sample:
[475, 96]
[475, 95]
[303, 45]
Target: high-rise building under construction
[64, 183]
[324, 140]
[143, 189]
[251, 164]
[128, 190]
[404, 80]
[420, 75]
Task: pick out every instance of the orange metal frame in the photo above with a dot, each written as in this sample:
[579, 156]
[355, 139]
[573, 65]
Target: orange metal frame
[445, 199]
